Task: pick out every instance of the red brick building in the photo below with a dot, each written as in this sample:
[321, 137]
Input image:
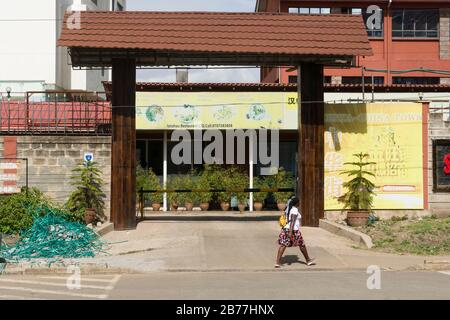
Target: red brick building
[410, 35]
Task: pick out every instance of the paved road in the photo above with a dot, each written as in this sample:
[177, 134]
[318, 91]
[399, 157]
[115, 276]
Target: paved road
[232, 286]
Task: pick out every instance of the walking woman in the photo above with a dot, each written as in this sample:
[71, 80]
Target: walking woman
[290, 235]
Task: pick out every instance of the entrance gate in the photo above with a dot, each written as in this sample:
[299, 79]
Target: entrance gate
[126, 40]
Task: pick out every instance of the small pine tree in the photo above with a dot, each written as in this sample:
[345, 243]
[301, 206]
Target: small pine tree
[360, 189]
[88, 193]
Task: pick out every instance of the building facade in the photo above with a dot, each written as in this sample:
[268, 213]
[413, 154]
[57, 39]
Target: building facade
[30, 60]
[407, 36]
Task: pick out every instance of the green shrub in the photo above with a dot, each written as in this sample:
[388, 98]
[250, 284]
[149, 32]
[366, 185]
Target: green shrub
[262, 183]
[175, 183]
[239, 180]
[16, 211]
[282, 179]
[148, 180]
[202, 183]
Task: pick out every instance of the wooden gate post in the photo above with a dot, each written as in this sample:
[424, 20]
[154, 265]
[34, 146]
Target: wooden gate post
[123, 153]
[310, 184]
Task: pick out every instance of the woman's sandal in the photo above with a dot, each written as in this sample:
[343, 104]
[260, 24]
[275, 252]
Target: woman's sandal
[311, 262]
[277, 266]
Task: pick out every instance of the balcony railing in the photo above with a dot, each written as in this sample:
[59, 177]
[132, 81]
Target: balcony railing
[86, 115]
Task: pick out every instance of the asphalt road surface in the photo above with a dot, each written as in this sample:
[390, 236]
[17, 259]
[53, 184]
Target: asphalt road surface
[296, 285]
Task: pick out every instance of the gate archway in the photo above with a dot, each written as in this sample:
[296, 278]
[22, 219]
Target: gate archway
[126, 40]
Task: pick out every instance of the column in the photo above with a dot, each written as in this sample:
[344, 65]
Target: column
[311, 143]
[123, 151]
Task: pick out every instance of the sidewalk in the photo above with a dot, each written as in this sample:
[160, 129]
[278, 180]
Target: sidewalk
[237, 246]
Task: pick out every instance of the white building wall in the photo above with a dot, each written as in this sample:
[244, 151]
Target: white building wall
[28, 51]
[29, 58]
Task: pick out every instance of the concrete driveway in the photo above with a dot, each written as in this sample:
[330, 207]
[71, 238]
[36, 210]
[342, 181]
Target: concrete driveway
[235, 246]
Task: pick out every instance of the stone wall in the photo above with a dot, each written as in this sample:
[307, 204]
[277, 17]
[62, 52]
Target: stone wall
[438, 203]
[52, 158]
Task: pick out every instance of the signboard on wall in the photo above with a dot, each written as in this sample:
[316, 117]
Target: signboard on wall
[441, 165]
[391, 133]
[392, 136]
[216, 110]
[8, 176]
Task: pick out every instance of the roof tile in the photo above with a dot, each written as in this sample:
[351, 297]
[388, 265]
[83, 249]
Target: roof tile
[220, 32]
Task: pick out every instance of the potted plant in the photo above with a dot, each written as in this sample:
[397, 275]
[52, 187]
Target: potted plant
[203, 197]
[239, 181]
[175, 198]
[186, 183]
[360, 191]
[282, 179]
[153, 184]
[259, 197]
[147, 180]
[88, 193]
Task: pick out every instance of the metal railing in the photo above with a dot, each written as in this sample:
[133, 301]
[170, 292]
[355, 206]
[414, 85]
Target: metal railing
[142, 192]
[66, 113]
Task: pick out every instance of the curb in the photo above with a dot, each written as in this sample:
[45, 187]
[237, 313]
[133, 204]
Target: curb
[347, 232]
[105, 229]
[58, 270]
[436, 265]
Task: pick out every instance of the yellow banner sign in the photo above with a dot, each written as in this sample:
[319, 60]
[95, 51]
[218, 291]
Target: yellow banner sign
[216, 110]
[392, 135]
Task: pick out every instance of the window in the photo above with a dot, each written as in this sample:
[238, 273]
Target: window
[415, 80]
[292, 79]
[94, 2]
[372, 29]
[409, 23]
[310, 10]
[119, 7]
[367, 80]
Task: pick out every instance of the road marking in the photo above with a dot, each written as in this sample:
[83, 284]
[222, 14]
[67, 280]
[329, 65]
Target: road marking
[83, 279]
[81, 295]
[54, 284]
[445, 272]
[18, 297]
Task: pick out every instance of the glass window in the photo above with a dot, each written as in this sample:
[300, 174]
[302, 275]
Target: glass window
[310, 10]
[367, 80]
[413, 23]
[303, 10]
[415, 80]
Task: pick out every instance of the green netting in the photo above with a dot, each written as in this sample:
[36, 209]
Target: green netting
[52, 236]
